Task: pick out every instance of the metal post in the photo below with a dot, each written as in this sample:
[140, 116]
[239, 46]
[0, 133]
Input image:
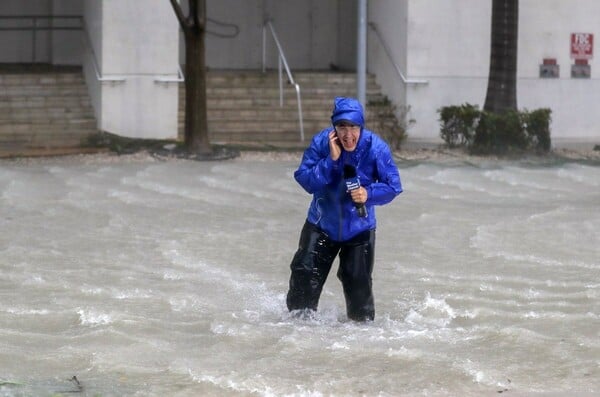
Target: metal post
[280, 84]
[264, 48]
[33, 39]
[361, 56]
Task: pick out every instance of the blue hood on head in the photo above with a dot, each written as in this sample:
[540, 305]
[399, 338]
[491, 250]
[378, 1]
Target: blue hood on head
[347, 109]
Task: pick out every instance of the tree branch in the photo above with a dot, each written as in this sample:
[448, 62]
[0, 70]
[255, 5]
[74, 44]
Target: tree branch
[198, 14]
[179, 13]
[201, 16]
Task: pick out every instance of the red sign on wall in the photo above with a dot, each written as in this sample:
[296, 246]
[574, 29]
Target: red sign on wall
[582, 45]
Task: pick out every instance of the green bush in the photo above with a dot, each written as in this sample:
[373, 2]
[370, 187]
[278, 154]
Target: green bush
[499, 133]
[538, 127]
[459, 124]
[495, 133]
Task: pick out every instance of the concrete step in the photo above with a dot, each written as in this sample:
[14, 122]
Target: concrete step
[41, 91]
[288, 91]
[253, 78]
[40, 114]
[229, 102]
[45, 108]
[313, 89]
[75, 125]
[50, 79]
[278, 120]
[318, 108]
[244, 106]
[34, 102]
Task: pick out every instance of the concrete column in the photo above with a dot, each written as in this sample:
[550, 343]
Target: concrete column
[139, 44]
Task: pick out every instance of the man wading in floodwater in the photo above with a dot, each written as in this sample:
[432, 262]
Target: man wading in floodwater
[348, 170]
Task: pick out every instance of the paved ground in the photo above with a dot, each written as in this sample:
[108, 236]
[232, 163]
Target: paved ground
[412, 149]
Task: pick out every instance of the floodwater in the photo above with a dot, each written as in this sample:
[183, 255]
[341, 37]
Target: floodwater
[168, 278]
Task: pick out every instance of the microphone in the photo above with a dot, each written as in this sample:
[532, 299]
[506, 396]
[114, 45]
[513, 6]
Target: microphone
[352, 183]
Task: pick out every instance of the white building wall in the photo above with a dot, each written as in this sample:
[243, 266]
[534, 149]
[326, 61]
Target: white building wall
[140, 46]
[447, 43]
[92, 53]
[545, 28]
[390, 18]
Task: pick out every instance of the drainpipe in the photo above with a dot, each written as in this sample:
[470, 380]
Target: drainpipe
[361, 56]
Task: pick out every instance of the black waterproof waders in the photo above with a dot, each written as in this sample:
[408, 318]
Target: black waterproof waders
[312, 263]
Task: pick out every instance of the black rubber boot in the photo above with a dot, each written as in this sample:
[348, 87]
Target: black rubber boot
[310, 268]
[356, 268]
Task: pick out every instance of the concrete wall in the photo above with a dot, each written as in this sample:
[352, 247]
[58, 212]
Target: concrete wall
[390, 18]
[313, 33]
[18, 46]
[140, 54]
[447, 43]
[347, 37]
[92, 53]
[66, 45]
[545, 30]
[60, 47]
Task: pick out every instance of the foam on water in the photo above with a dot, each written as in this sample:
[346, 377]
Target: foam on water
[93, 318]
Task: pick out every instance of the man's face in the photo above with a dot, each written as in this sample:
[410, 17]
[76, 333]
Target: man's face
[348, 135]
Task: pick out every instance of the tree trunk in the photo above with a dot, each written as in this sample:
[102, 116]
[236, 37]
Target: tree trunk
[502, 81]
[196, 124]
[196, 120]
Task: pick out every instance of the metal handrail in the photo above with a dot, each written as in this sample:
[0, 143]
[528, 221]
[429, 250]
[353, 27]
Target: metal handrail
[90, 47]
[373, 26]
[179, 79]
[283, 61]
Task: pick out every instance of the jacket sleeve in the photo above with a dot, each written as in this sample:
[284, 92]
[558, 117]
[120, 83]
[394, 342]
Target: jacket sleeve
[388, 185]
[317, 167]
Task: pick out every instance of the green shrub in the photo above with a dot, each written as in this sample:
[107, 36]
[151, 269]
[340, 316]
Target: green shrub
[499, 133]
[458, 124]
[495, 133]
[538, 127]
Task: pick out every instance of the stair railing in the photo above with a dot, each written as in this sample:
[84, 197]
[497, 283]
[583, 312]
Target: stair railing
[90, 47]
[373, 26]
[282, 61]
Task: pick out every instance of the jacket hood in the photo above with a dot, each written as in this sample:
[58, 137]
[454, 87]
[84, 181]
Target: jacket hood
[348, 109]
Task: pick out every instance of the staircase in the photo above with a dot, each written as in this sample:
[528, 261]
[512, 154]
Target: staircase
[46, 109]
[43, 109]
[243, 106]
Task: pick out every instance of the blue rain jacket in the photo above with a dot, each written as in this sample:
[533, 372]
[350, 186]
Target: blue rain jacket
[332, 209]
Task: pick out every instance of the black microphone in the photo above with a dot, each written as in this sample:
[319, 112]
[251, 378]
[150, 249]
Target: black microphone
[352, 183]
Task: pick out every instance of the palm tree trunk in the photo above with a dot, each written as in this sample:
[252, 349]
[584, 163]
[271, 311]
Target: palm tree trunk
[502, 81]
